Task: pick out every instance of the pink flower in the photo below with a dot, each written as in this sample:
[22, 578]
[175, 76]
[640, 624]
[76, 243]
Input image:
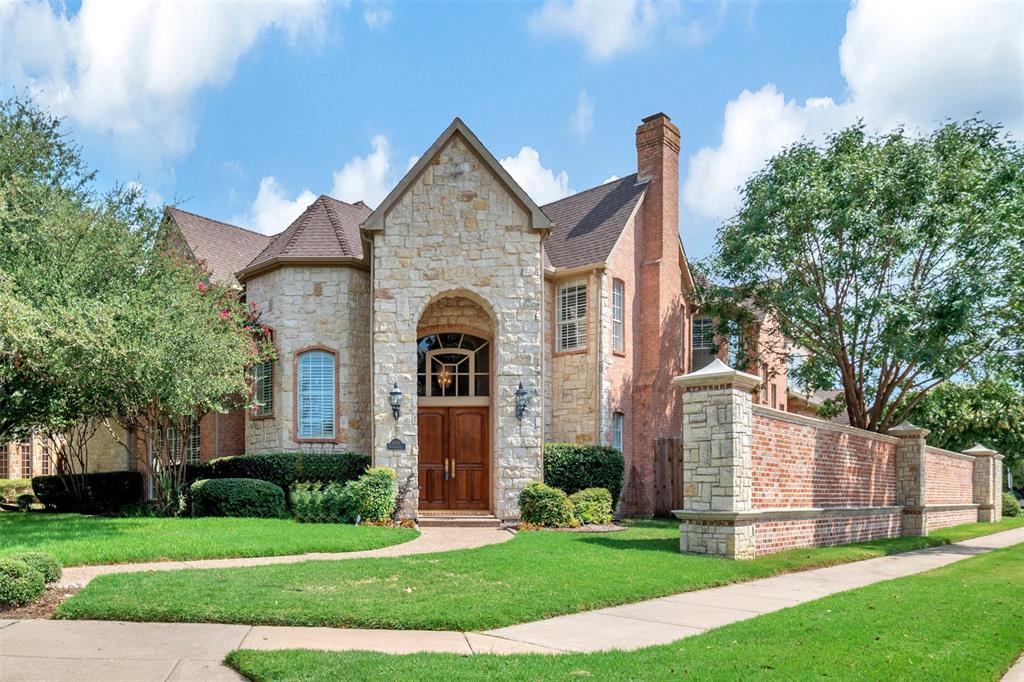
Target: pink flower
[202, 287]
[225, 314]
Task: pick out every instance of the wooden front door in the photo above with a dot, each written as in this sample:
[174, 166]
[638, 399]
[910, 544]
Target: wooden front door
[454, 451]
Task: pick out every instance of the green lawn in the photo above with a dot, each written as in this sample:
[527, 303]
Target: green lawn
[536, 575]
[960, 622]
[78, 540]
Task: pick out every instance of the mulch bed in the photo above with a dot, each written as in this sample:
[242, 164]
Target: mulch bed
[43, 608]
[593, 528]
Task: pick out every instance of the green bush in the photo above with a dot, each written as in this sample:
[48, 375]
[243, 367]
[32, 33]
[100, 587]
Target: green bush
[593, 505]
[285, 468]
[319, 503]
[543, 505]
[25, 501]
[1011, 507]
[11, 488]
[104, 492]
[237, 497]
[20, 584]
[372, 496]
[47, 564]
[573, 467]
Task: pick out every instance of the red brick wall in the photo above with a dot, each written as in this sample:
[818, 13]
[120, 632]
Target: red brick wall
[799, 465]
[948, 479]
[951, 517]
[775, 536]
[221, 435]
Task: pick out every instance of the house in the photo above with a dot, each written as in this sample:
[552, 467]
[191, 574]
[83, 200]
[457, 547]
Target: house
[458, 326]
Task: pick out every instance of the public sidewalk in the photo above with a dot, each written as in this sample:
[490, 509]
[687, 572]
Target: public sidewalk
[430, 540]
[99, 650]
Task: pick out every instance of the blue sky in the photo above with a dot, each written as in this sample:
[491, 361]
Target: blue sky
[245, 112]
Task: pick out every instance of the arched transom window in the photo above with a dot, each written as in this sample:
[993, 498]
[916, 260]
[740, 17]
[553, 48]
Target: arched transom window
[453, 365]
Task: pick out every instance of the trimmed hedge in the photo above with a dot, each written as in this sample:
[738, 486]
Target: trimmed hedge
[543, 505]
[287, 468]
[592, 506]
[237, 497]
[47, 564]
[1011, 507]
[372, 497]
[20, 584]
[108, 491]
[10, 488]
[572, 467]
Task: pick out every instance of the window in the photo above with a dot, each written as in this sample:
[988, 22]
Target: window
[5, 461]
[453, 364]
[764, 385]
[702, 343]
[47, 456]
[26, 459]
[775, 401]
[618, 308]
[617, 418]
[263, 388]
[175, 445]
[572, 316]
[793, 363]
[316, 394]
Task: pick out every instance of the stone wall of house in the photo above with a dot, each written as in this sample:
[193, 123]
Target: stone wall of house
[106, 453]
[458, 230]
[759, 480]
[455, 313]
[307, 306]
[574, 379]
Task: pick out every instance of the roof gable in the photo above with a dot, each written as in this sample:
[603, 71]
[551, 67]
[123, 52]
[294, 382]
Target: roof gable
[225, 248]
[378, 219]
[327, 231]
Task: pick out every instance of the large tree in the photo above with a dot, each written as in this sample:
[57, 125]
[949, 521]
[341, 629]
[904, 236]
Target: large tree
[890, 263]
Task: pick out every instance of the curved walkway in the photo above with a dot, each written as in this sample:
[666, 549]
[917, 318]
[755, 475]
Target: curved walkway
[106, 650]
[430, 540]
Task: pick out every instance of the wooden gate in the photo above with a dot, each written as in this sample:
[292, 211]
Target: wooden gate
[668, 475]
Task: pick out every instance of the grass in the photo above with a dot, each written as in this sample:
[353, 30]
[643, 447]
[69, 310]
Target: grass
[79, 540]
[536, 575]
[959, 622]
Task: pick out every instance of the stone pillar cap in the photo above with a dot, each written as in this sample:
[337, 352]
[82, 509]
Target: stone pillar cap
[908, 430]
[980, 450]
[717, 374]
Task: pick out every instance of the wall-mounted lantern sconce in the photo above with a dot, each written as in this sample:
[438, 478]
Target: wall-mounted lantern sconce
[522, 401]
[395, 399]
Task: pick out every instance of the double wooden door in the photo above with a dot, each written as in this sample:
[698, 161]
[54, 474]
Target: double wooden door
[454, 453]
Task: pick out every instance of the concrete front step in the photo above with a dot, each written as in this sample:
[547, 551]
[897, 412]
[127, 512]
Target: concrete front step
[457, 520]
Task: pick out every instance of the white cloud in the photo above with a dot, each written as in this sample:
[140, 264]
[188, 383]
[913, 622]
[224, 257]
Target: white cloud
[154, 199]
[272, 211]
[132, 69]
[366, 178]
[377, 15]
[604, 28]
[542, 184]
[913, 62]
[582, 120]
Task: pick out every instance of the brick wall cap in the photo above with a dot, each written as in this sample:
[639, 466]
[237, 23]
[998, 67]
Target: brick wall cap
[908, 430]
[980, 450]
[718, 374]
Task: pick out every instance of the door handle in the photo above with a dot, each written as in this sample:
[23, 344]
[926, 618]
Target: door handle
[453, 468]
[446, 468]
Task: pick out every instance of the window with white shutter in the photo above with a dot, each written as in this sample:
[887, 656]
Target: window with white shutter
[618, 315]
[572, 316]
[702, 342]
[263, 388]
[316, 394]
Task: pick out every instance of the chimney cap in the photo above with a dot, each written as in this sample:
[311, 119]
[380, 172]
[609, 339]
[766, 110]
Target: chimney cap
[654, 117]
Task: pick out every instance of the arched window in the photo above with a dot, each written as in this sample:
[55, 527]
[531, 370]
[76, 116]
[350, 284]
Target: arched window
[316, 394]
[453, 365]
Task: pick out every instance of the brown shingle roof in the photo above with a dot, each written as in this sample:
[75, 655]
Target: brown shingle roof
[587, 224]
[225, 248]
[327, 229]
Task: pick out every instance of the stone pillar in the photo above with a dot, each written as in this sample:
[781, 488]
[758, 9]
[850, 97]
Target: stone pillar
[910, 477]
[717, 433]
[988, 482]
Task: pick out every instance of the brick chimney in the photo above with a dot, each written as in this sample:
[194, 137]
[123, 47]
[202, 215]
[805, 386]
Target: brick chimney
[659, 294]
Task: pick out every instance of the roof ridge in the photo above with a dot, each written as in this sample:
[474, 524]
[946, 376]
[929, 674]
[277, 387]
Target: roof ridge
[333, 219]
[595, 187]
[300, 225]
[220, 222]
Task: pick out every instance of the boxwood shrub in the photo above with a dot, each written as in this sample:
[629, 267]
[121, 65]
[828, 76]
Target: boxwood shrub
[20, 584]
[1011, 507]
[285, 468]
[47, 564]
[572, 467]
[319, 503]
[108, 491]
[593, 505]
[237, 497]
[372, 497]
[543, 505]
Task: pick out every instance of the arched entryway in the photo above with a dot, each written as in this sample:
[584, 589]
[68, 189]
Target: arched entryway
[455, 359]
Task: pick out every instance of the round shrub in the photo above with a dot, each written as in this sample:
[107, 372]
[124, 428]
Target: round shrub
[543, 505]
[372, 496]
[592, 506]
[47, 564]
[574, 467]
[237, 497]
[20, 584]
[1011, 507]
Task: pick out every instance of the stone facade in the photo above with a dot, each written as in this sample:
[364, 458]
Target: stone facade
[457, 230]
[575, 378]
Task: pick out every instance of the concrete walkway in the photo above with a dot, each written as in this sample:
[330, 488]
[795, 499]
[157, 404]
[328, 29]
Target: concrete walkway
[430, 540]
[1016, 673]
[84, 650]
